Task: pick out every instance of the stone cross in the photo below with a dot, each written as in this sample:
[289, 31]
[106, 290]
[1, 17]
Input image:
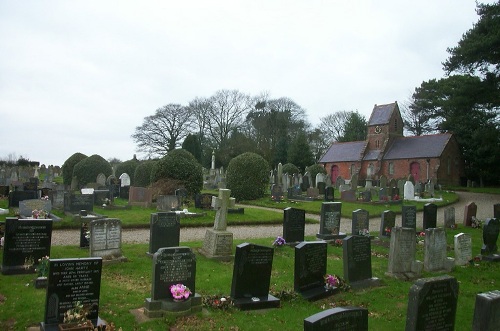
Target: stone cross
[221, 204]
[36, 171]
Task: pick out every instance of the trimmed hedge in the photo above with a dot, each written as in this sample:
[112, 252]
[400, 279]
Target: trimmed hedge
[142, 174]
[86, 170]
[247, 176]
[68, 166]
[290, 168]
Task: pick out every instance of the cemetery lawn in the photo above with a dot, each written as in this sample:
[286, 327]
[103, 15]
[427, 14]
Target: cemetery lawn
[126, 285]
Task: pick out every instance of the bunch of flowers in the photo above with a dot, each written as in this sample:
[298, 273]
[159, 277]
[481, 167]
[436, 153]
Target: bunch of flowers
[180, 291]
[78, 314]
[280, 241]
[332, 281]
[420, 237]
[39, 213]
[337, 242]
[364, 232]
[45, 197]
[43, 267]
[476, 223]
[387, 231]
[217, 302]
[29, 262]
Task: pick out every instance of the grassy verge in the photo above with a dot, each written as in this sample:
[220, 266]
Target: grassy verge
[126, 285]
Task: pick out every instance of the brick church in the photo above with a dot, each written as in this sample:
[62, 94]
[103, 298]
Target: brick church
[387, 152]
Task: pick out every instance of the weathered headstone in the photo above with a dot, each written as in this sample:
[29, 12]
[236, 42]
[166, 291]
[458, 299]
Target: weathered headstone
[26, 207]
[203, 201]
[106, 239]
[387, 223]
[294, 224]
[71, 281]
[171, 266]
[449, 218]
[409, 217]
[338, 319]
[360, 223]
[252, 277]
[409, 191]
[164, 231]
[469, 212]
[140, 196]
[491, 229]
[101, 179]
[462, 243]
[366, 196]
[329, 224]
[432, 304]
[357, 262]
[402, 263]
[354, 182]
[312, 192]
[321, 187]
[168, 202]
[487, 311]
[218, 242]
[25, 242]
[348, 195]
[310, 270]
[435, 258]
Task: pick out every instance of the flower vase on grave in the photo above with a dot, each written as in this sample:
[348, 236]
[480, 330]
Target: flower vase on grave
[40, 282]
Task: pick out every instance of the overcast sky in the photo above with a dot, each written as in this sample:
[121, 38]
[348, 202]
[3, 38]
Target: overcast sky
[80, 76]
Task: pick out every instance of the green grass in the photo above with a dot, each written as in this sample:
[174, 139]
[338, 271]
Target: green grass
[125, 286]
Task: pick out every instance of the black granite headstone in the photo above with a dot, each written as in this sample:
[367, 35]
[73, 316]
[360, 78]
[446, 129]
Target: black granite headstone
[409, 217]
[252, 277]
[25, 242]
[321, 187]
[294, 224]
[338, 319]
[329, 194]
[432, 304]
[430, 216]
[491, 229]
[360, 223]
[487, 311]
[357, 258]
[329, 225]
[164, 231]
[76, 202]
[496, 211]
[388, 221]
[16, 196]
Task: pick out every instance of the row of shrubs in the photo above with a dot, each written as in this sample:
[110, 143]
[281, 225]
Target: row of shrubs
[247, 174]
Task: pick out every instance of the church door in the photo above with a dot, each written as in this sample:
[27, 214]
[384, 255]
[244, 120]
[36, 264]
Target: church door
[415, 171]
[335, 173]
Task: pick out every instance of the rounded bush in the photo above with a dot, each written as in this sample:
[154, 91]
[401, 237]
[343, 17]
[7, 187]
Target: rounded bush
[180, 165]
[314, 170]
[290, 168]
[247, 176]
[86, 170]
[128, 167]
[142, 174]
[69, 164]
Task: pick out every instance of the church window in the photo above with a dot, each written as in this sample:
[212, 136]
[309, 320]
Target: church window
[391, 168]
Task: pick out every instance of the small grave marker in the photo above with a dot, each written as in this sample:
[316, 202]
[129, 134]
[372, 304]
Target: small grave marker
[463, 248]
[338, 319]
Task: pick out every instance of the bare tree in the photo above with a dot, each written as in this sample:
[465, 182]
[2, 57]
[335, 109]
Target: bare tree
[333, 126]
[163, 131]
[199, 108]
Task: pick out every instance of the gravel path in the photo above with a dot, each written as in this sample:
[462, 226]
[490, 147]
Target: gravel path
[484, 204]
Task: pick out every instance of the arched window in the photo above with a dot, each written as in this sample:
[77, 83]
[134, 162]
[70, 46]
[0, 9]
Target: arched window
[391, 168]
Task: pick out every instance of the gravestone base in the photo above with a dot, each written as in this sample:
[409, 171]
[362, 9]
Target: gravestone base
[170, 307]
[55, 327]
[491, 258]
[40, 282]
[327, 237]
[111, 259]
[366, 283]
[416, 272]
[257, 303]
[218, 245]
[449, 265]
[17, 270]
[318, 293]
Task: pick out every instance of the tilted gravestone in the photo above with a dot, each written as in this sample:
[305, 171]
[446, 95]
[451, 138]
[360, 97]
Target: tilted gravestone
[172, 265]
[360, 223]
[435, 258]
[252, 277]
[357, 262]
[294, 224]
[71, 281]
[430, 216]
[310, 270]
[338, 319]
[462, 244]
[409, 217]
[387, 223]
[25, 242]
[402, 252]
[469, 212]
[106, 239]
[164, 231]
[329, 224]
[487, 311]
[218, 242]
[432, 304]
[491, 229]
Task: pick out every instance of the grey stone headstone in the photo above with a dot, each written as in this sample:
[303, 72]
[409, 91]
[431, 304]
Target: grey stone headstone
[26, 207]
[462, 243]
[101, 179]
[449, 217]
[402, 263]
[354, 182]
[168, 202]
[487, 311]
[435, 258]
[294, 223]
[409, 191]
[383, 181]
[348, 195]
[106, 239]
[338, 319]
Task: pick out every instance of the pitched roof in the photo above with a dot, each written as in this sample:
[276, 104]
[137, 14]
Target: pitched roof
[381, 114]
[348, 151]
[371, 155]
[417, 147]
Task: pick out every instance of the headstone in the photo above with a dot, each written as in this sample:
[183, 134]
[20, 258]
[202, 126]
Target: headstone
[366, 196]
[276, 192]
[489, 251]
[357, 261]
[101, 179]
[430, 216]
[409, 191]
[106, 239]
[310, 270]
[171, 266]
[469, 212]
[168, 202]
[387, 223]
[294, 224]
[76, 202]
[321, 187]
[496, 211]
[26, 207]
[348, 196]
[409, 217]
[87, 190]
[312, 192]
[16, 196]
[329, 224]
[402, 263]
[218, 242]
[360, 223]
[401, 187]
[435, 258]
[383, 181]
[462, 243]
[71, 281]
[339, 182]
[432, 304]
[57, 198]
[164, 231]
[305, 183]
[140, 196]
[252, 277]
[329, 194]
[449, 217]
[382, 194]
[487, 311]
[354, 182]
[338, 319]
[203, 201]
[125, 180]
[25, 242]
